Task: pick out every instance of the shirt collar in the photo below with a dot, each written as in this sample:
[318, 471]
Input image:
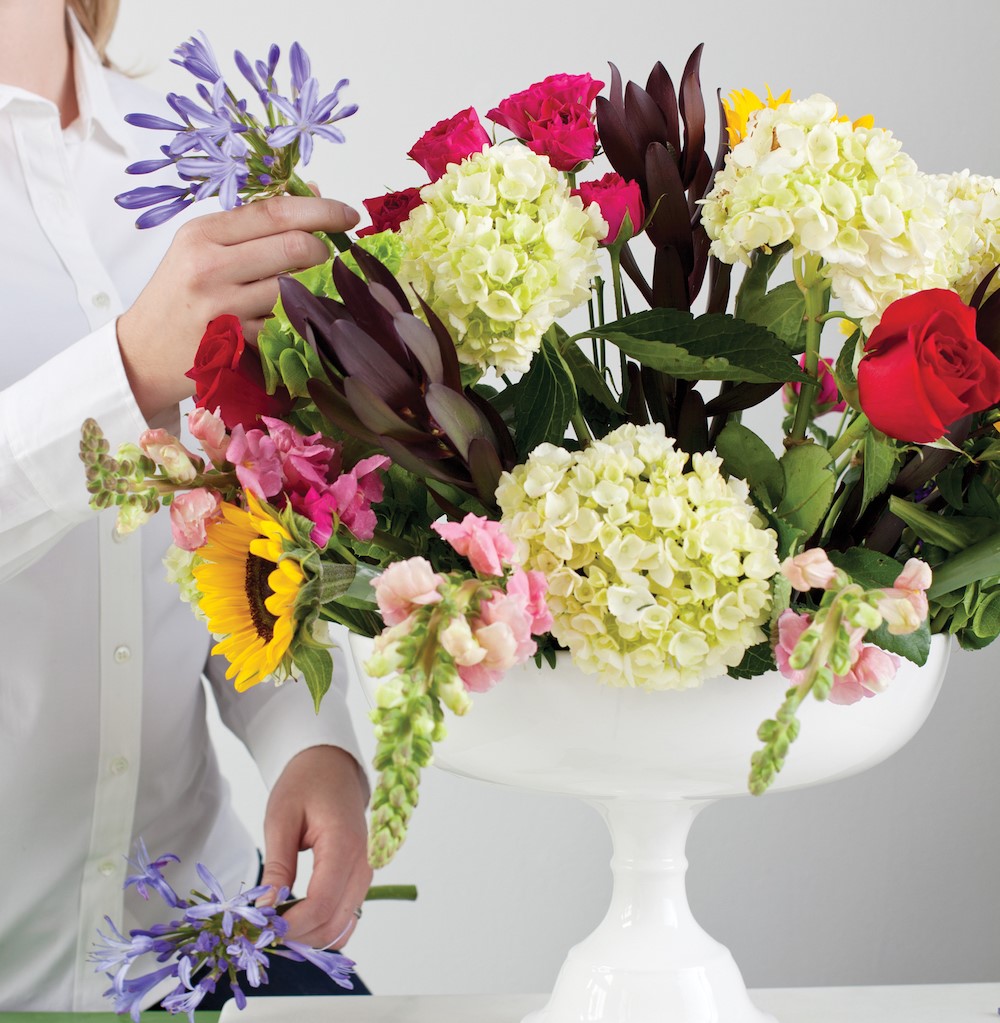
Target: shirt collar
[93, 94]
[97, 108]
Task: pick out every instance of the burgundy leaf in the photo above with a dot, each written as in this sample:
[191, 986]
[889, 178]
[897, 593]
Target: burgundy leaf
[420, 340]
[982, 288]
[362, 357]
[446, 345]
[376, 415]
[484, 464]
[692, 424]
[619, 147]
[671, 222]
[692, 107]
[988, 322]
[457, 417]
[501, 435]
[631, 267]
[336, 409]
[378, 273]
[645, 122]
[660, 86]
[615, 90]
[312, 316]
[740, 396]
[669, 280]
[719, 274]
[406, 459]
[369, 314]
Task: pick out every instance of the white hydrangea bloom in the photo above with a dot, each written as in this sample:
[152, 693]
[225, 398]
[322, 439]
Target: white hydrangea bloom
[180, 571]
[972, 229]
[848, 194]
[500, 250]
[658, 578]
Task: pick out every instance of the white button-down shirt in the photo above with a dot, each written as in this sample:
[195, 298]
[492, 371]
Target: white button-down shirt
[102, 711]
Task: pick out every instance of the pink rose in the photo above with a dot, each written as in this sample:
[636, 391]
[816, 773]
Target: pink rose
[480, 540]
[904, 605]
[255, 456]
[405, 586]
[190, 513]
[449, 141]
[209, 431]
[810, 569]
[390, 210]
[827, 398]
[166, 450]
[615, 198]
[872, 671]
[554, 118]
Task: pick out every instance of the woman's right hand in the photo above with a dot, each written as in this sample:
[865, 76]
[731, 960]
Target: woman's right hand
[220, 263]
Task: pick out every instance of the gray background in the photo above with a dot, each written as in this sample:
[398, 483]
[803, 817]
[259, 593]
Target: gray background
[885, 878]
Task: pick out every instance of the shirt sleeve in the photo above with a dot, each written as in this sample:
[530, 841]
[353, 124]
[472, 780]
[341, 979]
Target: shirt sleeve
[42, 486]
[275, 724]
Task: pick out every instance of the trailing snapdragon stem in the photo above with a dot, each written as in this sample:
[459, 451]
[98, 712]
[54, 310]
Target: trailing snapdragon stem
[813, 286]
[296, 186]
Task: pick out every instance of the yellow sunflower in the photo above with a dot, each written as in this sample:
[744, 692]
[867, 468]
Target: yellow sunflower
[248, 591]
[741, 103]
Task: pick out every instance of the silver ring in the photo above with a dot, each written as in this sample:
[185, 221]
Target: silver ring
[357, 912]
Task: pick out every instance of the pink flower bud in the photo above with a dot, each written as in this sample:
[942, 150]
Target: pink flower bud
[166, 450]
[210, 431]
[481, 540]
[904, 606]
[405, 586]
[810, 569]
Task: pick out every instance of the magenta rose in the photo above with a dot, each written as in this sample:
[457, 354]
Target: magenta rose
[390, 210]
[449, 141]
[554, 118]
[924, 367]
[828, 397]
[228, 377]
[615, 196]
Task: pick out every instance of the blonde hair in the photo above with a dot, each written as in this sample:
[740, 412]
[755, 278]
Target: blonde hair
[97, 18]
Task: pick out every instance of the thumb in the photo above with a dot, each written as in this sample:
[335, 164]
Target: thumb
[281, 854]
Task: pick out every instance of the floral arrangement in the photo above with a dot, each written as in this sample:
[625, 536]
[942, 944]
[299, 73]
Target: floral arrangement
[422, 447]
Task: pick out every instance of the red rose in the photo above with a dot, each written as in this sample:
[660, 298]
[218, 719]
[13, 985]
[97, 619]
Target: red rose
[449, 141]
[390, 210]
[923, 367]
[615, 196]
[227, 375]
[554, 118]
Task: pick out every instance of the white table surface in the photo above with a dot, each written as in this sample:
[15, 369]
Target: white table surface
[931, 1003]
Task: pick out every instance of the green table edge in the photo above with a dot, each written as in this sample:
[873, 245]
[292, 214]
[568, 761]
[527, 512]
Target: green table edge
[94, 1017]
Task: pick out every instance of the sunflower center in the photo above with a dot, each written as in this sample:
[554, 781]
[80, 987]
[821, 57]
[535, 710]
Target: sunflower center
[258, 590]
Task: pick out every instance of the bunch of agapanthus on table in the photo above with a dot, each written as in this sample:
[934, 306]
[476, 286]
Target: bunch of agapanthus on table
[422, 449]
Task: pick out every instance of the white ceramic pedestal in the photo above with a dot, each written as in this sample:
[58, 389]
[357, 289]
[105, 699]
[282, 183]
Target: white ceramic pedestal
[650, 762]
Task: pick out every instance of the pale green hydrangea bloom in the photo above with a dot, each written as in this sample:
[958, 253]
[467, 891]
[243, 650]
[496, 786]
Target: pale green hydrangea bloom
[848, 194]
[500, 250]
[180, 571]
[972, 228]
[658, 578]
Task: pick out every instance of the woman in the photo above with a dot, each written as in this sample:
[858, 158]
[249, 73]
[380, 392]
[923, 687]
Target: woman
[102, 730]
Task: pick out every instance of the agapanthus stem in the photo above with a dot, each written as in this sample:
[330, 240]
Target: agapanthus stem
[296, 186]
[401, 892]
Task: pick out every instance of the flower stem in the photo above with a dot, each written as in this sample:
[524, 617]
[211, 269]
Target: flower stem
[296, 186]
[403, 892]
[853, 433]
[813, 286]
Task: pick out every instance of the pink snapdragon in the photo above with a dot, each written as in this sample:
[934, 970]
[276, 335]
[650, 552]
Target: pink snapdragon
[166, 450]
[532, 585]
[904, 605]
[305, 461]
[810, 569]
[190, 514]
[405, 586]
[871, 672]
[348, 500]
[257, 462]
[791, 625]
[479, 539]
[210, 431]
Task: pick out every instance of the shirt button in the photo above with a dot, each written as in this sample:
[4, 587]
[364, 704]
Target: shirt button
[101, 300]
[122, 654]
[119, 765]
[106, 868]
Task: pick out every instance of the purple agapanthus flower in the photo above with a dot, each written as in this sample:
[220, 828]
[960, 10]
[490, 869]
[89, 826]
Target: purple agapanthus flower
[129, 993]
[149, 875]
[228, 908]
[223, 149]
[334, 964]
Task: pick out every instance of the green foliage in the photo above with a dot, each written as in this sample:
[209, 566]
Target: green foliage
[881, 463]
[809, 486]
[756, 661]
[544, 400]
[747, 457]
[713, 346]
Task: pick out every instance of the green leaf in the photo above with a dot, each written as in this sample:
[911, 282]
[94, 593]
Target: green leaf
[545, 400]
[914, 646]
[881, 457]
[978, 561]
[713, 346]
[986, 620]
[953, 533]
[317, 670]
[294, 372]
[782, 311]
[748, 457]
[588, 380]
[757, 660]
[870, 569]
[843, 371]
[809, 486]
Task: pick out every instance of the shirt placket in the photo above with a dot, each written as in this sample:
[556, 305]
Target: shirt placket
[42, 151]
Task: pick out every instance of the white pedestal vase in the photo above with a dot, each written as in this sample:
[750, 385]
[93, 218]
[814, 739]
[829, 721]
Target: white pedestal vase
[650, 761]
